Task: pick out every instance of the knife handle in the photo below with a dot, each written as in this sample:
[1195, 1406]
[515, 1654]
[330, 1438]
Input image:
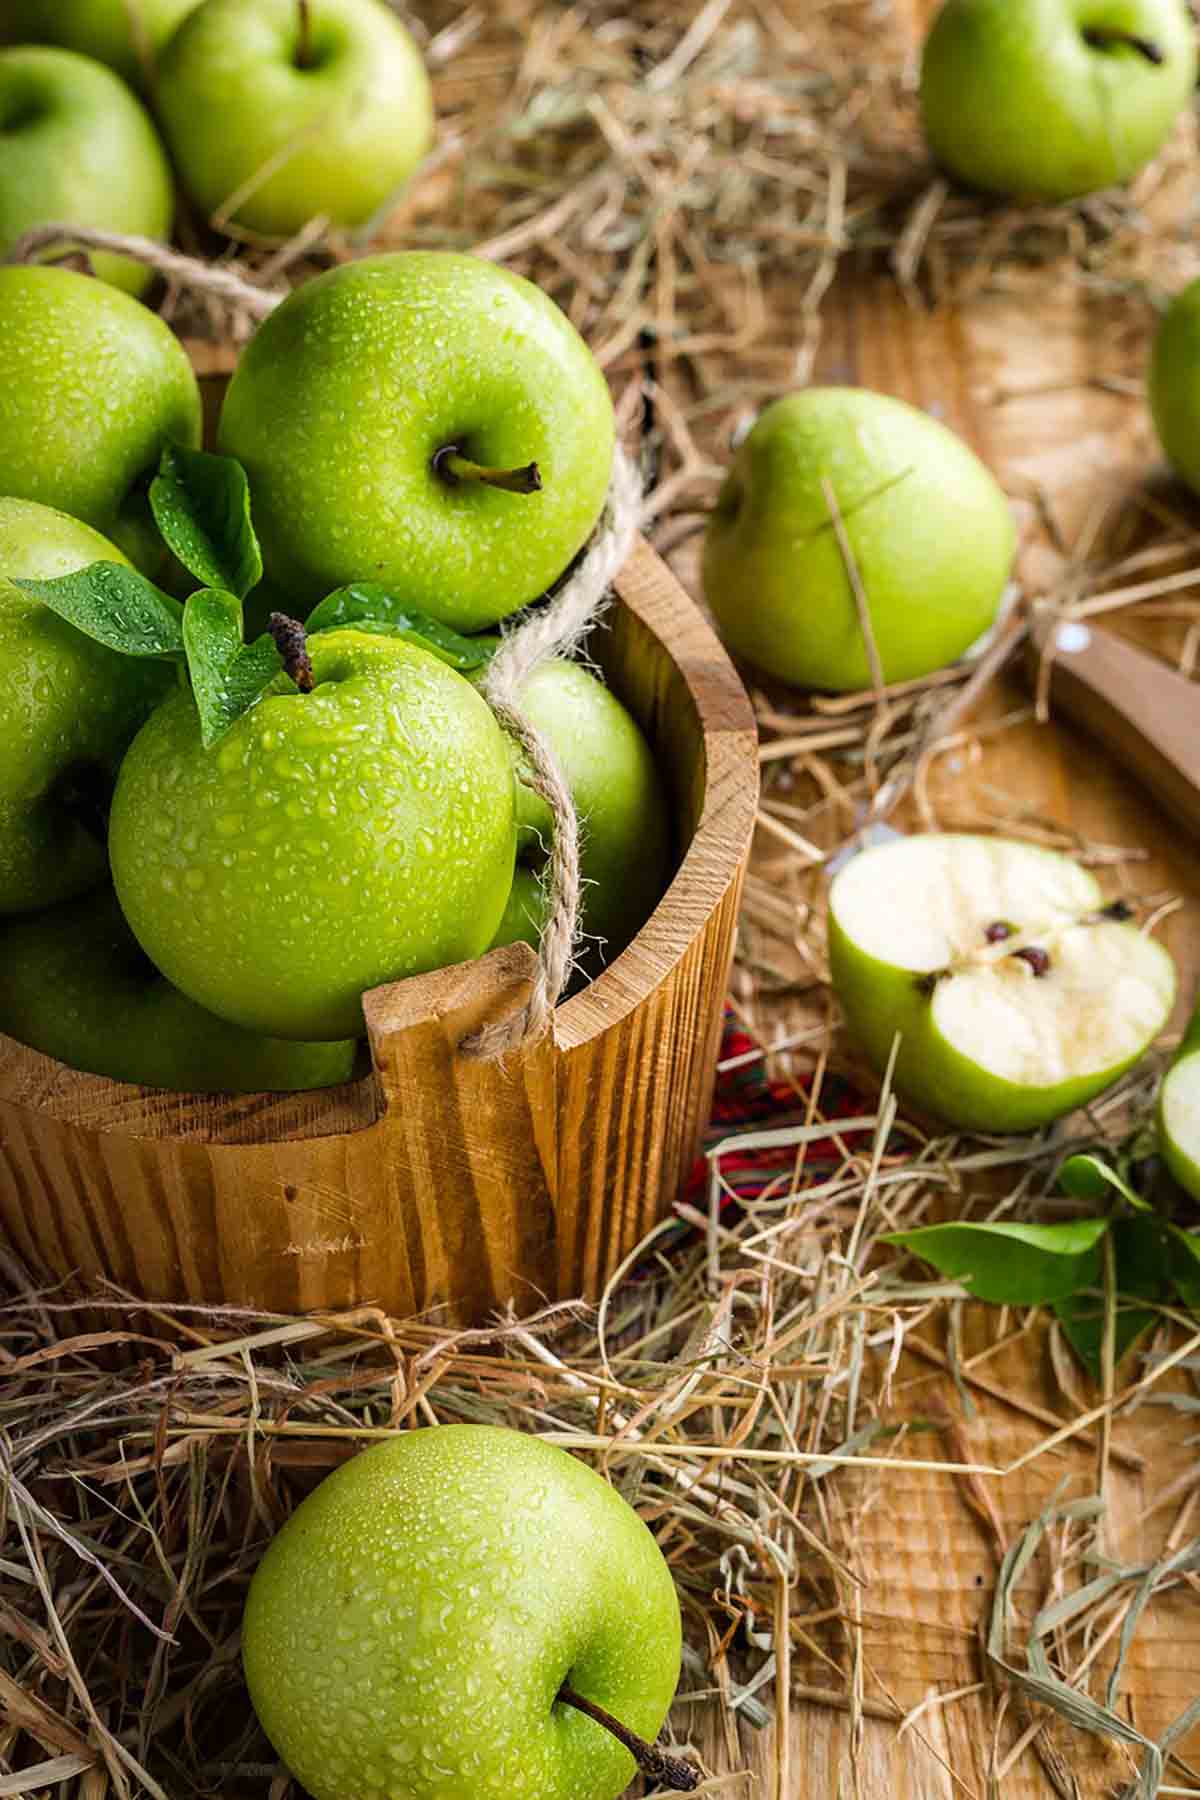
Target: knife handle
[1142, 710]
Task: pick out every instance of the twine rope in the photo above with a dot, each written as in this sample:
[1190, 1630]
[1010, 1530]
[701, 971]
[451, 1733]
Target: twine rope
[553, 630]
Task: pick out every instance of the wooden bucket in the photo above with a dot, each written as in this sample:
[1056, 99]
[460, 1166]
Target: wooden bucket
[438, 1181]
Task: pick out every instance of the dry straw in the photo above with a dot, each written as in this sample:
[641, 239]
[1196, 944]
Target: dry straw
[688, 182]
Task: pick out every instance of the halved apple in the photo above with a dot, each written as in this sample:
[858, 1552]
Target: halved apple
[1179, 1112]
[1017, 993]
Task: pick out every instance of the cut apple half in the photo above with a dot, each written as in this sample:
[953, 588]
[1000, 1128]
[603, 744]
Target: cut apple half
[1179, 1112]
[1017, 993]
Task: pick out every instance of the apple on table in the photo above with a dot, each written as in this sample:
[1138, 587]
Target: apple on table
[280, 111]
[79, 149]
[108, 30]
[1050, 99]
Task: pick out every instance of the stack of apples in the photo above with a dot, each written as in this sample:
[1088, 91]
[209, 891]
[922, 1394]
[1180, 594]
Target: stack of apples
[210, 848]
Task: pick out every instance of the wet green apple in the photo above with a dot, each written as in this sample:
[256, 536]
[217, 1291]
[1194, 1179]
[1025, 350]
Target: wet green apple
[68, 708]
[375, 409]
[1016, 994]
[1047, 99]
[929, 532]
[104, 29]
[1174, 385]
[79, 148]
[329, 842]
[294, 111]
[92, 385]
[526, 910]
[409, 1629]
[75, 985]
[1179, 1112]
[625, 838]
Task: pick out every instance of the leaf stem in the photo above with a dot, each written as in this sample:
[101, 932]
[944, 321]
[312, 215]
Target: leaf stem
[291, 641]
[454, 469]
[657, 1765]
[1103, 37]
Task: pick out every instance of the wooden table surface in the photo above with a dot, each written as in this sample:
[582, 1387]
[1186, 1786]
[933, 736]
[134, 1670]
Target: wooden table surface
[1015, 373]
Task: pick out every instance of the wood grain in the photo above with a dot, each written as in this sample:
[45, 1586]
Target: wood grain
[437, 1181]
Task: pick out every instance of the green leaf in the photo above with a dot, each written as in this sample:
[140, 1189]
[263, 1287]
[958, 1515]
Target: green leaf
[1012, 1265]
[201, 505]
[116, 606]
[1091, 1178]
[372, 607]
[1142, 1257]
[1184, 1269]
[228, 676]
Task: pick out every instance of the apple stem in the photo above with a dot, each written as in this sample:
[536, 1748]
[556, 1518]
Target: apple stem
[454, 468]
[304, 44]
[1101, 37]
[657, 1765]
[291, 641]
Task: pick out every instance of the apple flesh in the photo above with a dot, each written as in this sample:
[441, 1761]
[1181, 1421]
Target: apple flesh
[625, 837]
[79, 149]
[331, 841]
[350, 392]
[68, 708]
[1016, 994]
[92, 385]
[75, 985]
[330, 119]
[1049, 99]
[930, 534]
[409, 1629]
[1179, 1112]
[102, 29]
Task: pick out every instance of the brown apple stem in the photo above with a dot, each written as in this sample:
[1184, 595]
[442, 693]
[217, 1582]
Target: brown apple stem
[291, 641]
[304, 44]
[1101, 37]
[454, 468]
[655, 1764]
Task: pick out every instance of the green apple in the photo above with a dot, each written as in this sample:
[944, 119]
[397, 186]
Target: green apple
[408, 1631]
[1017, 995]
[79, 149]
[625, 849]
[1174, 385]
[92, 385]
[107, 30]
[1179, 1112]
[1047, 99]
[373, 412]
[526, 910]
[929, 531]
[330, 842]
[75, 985]
[68, 708]
[294, 110]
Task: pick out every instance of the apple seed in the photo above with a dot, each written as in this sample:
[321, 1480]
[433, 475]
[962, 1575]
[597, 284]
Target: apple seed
[1037, 958]
[999, 932]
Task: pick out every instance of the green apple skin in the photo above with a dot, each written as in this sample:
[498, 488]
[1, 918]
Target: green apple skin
[1015, 100]
[1179, 1112]
[92, 385]
[525, 912]
[1174, 383]
[80, 149]
[67, 705]
[880, 1000]
[343, 133]
[329, 843]
[625, 834]
[408, 1630]
[347, 392]
[97, 28]
[75, 985]
[930, 531]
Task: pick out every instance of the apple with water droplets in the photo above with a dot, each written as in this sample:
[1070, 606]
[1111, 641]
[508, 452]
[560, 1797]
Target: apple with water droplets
[412, 1628]
[1014, 991]
[331, 841]
[68, 708]
[425, 420]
